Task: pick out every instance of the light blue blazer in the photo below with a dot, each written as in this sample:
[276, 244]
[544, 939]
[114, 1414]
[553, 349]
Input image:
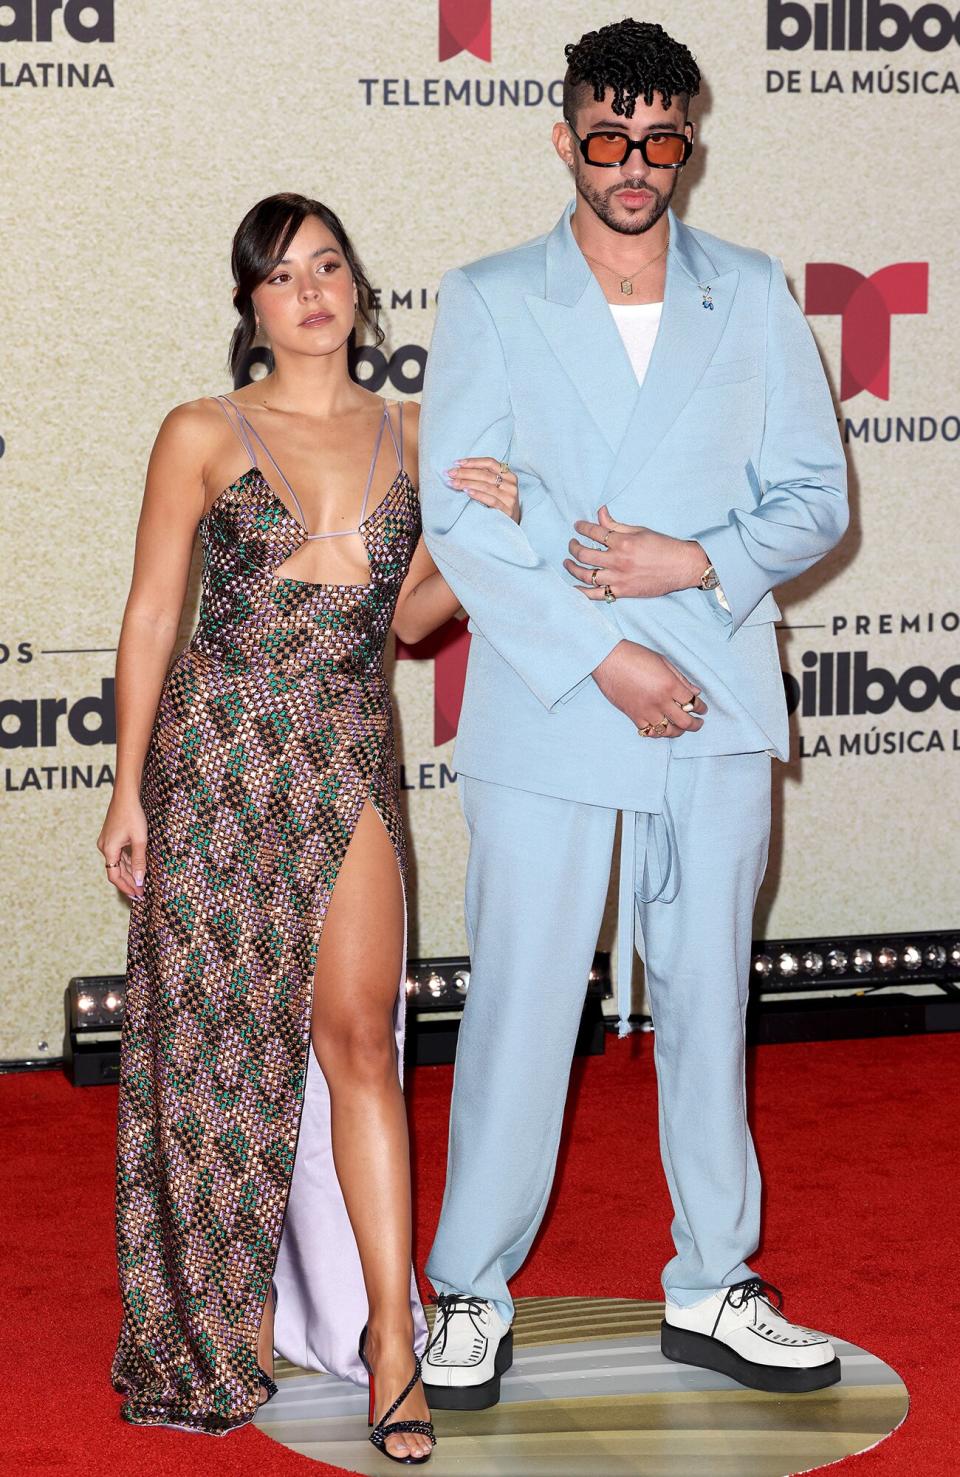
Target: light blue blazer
[732, 440]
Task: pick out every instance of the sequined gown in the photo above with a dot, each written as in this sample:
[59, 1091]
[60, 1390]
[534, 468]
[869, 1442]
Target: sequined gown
[274, 727]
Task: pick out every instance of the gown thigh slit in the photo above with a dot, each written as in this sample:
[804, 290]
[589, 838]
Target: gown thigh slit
[274, 728]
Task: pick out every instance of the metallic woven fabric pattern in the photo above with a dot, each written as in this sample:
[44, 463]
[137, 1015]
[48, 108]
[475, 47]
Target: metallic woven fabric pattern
[273, 728]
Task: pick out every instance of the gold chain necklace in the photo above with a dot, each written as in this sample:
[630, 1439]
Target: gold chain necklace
[626, 283]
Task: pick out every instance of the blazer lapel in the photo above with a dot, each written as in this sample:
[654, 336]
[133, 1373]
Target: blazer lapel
[577, 324]
[687, 338]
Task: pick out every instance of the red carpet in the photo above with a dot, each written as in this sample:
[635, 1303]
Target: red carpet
[857, 1142]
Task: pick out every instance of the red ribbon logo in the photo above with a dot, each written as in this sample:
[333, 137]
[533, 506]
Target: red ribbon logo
[866, 306]
[447, 649]
[465, 26]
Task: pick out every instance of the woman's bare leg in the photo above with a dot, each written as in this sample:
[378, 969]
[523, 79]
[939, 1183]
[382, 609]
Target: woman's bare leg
[359, 967]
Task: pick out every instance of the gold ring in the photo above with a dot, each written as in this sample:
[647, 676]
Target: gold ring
[498, 479]
[645, 731]
[662, 727]
[109, 866]
[608, 595]
[690, 707]
[593, 578]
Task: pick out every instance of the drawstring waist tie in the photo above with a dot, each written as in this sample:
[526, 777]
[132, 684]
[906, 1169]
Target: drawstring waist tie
[648, 851]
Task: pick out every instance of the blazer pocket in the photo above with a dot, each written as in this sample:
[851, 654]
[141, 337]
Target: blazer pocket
[728, 371]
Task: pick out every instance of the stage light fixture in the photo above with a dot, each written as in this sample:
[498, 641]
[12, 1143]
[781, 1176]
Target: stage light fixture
[850, 974]
[436, 995]
[795, 964]
[93, 1011]
[886, 984]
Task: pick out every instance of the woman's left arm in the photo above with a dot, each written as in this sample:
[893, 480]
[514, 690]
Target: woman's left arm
[426, 601]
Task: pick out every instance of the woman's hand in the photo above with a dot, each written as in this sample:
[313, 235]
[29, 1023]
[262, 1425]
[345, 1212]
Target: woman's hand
[123, 845]
[633, 561]
[478, 476]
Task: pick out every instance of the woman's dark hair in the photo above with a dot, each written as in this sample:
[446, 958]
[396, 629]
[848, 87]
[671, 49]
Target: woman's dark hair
[261, 241]
[635, 59]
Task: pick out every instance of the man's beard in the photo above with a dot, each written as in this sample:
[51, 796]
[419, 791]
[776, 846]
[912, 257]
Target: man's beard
[601, 202]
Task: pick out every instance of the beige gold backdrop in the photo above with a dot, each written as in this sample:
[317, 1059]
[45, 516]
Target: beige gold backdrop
[134, 136]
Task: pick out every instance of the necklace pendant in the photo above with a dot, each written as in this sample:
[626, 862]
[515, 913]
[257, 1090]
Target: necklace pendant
[626, 287]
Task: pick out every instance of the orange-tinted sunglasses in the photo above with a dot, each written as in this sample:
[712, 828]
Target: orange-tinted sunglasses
[660, 150]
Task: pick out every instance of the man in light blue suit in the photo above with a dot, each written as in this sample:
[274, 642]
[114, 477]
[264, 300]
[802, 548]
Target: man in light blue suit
[660, 398]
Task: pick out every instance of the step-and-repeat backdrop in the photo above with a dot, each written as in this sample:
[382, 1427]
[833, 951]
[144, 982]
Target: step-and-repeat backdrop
[134, 136]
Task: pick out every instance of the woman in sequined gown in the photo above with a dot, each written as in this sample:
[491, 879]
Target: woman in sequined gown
[255, 824]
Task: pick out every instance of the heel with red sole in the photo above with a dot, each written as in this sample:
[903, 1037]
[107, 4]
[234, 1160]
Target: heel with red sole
[385, 1427]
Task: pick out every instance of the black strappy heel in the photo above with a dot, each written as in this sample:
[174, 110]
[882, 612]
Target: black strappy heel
[384, 1427]
[266, 1383]
[263, 1379]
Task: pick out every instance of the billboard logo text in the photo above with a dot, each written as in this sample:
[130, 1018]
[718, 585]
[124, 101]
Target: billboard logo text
[33, 20]
[859, 25]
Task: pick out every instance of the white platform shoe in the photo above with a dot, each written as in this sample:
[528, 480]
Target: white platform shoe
[740, 1332]
[470, 1349]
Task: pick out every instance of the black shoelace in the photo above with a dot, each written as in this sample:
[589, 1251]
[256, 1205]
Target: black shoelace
[449, 1303]
[754, 1287]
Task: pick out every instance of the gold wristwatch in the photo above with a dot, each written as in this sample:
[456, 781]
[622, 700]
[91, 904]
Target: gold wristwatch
[709, 580]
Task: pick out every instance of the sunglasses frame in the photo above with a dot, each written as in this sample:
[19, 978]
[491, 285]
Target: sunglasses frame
[632, 143]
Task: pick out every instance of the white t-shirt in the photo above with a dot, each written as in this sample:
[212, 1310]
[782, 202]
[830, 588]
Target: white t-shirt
[638, 327]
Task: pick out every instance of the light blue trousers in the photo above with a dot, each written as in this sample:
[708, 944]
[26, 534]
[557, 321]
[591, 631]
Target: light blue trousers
[537, 881]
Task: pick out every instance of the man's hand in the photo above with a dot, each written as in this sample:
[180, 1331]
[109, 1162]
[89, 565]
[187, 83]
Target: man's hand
[635, 561]
[650, 690]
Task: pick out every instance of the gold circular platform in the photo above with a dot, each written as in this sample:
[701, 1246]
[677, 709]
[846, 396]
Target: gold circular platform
[590, 1395]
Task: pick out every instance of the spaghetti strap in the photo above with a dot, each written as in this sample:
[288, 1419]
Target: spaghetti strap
[236, 422]
[280, 472]
[396, 436]
[243, 426]
[385, 421]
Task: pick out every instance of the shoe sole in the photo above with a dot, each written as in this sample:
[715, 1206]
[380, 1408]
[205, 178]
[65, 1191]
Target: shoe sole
[472, 1397]
[684, 1346]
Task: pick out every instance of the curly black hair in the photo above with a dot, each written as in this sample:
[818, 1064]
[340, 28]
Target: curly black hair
[635, 59]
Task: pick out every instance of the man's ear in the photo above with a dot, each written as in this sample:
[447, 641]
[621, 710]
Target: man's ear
[563, 143]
